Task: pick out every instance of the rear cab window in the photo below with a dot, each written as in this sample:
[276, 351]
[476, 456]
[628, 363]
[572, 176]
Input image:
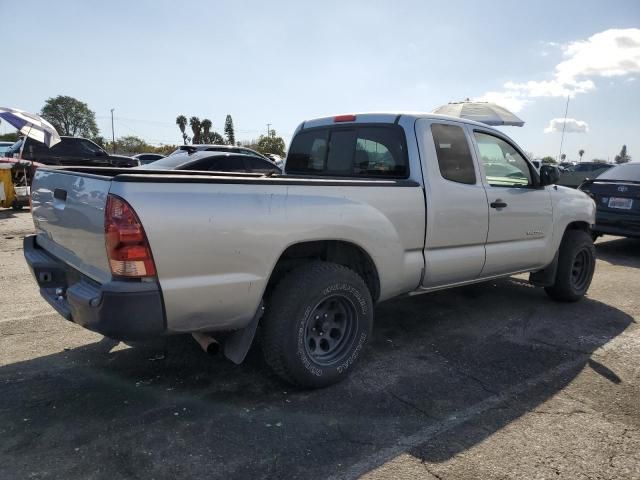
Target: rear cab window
[362, 151]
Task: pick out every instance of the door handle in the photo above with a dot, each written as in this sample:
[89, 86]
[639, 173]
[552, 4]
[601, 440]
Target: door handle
[498, 204]
[60, 194]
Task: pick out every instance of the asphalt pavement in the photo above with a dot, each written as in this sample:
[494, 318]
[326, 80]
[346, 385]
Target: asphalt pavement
[489, 381]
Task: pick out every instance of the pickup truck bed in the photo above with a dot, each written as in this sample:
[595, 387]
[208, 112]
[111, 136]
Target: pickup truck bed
[370, 207]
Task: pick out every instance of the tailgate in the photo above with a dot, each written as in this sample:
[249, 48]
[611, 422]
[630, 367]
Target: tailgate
[68, 212]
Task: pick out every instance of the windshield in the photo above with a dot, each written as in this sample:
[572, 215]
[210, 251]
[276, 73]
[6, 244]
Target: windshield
[630, 171]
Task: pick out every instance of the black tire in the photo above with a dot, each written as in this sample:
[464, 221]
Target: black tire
[576, 265]
[305, 346]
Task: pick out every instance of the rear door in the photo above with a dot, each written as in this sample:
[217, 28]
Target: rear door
[68, 212]
[457, 211]
[520, 212]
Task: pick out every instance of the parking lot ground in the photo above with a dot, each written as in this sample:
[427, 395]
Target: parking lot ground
[487, 381]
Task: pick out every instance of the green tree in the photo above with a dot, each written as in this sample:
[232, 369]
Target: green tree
[229, 131]
[216, 138]
[9, 137]
[271, 144]
[181, 121]
[70, 116]
[196, 128]
[206, 130]
[548, 160]
[132, 144]
[563, 157]
[581, 153]
[622, 157]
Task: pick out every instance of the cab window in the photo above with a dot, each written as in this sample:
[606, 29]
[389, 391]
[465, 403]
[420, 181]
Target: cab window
[454, 156]
[503, 164]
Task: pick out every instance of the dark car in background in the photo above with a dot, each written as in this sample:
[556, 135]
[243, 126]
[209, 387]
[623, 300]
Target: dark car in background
[145, 158]
[575, 175]
[617, 196]
[74, 151]
[214, 161]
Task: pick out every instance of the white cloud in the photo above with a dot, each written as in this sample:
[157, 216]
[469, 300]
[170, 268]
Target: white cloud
[571, 125]
[611, 53]
[509, 100]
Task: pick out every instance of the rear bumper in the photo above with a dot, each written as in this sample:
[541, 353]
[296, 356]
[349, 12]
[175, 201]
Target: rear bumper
[622, 224]
[124, 310]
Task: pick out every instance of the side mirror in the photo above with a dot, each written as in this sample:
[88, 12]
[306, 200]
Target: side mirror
[549, 175]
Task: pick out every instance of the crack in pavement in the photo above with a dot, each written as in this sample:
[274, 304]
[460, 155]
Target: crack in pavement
[412, 405]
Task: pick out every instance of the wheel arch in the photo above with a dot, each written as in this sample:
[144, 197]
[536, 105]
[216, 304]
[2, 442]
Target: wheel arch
[578, 225]
[342, 252]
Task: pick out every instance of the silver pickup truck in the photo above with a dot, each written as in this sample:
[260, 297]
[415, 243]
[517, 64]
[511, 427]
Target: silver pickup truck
[371, 206]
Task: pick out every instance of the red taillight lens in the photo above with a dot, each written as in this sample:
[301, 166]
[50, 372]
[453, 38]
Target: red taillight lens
[127, 246]
[344, 118]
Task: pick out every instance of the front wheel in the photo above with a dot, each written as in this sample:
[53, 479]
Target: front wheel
[576, 265]
[317, 322]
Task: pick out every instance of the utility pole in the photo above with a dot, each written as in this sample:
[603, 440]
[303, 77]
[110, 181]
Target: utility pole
[564, 124]
[268, 130]
[113, 135]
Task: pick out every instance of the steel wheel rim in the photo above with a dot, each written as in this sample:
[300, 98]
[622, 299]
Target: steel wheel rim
[330, 329]
[580, 270]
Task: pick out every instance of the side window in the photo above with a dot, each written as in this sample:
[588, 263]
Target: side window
[503, 165]
[454, 156]
[259, 166]
[67, 147]
[227, 164]
[35, 149]
[219, 164]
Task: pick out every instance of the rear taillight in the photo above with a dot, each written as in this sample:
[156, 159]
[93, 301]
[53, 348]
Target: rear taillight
[127, 245]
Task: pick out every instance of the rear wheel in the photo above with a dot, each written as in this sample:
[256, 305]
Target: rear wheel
[576, 265]
[317, 322]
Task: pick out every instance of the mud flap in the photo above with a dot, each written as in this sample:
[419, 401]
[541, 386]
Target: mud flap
[238, 343]
[547, 276]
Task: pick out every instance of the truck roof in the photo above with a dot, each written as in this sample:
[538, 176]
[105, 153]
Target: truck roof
[385, 117]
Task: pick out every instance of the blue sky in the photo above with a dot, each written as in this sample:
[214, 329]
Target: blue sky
[282, 62]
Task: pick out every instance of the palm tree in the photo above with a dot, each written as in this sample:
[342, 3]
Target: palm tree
[196, 128]
[206, 127]
[581, 152]
[181, 121]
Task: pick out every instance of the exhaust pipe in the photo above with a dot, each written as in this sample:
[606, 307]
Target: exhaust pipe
[209, 344]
